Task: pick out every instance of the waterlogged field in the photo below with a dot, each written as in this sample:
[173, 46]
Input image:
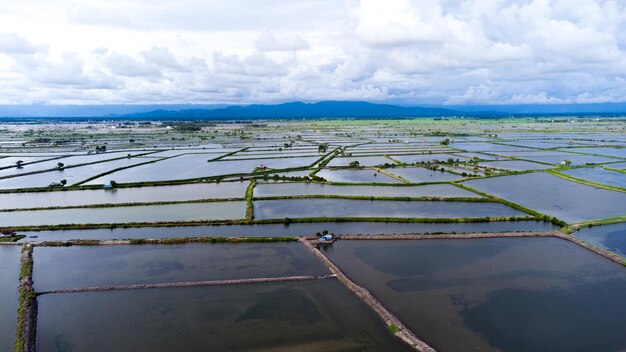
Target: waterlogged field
[82, 266]
[298, 189]
[9, 277]
[552, 195]
[188, 192]
[420, 174]
[356, 176]
[609, 237]
[599, 175]
[292, 229]
[338, 208]
[126, 214]
[246, 183]
[485, 294]
[303, 316]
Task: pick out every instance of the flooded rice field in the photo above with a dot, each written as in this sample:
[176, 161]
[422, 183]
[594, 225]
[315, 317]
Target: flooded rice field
[484, 294]
[164, 185]
[293, 229]
[301, 316]
[552, 195]
[82, 266]
[188, 192]
[356, 176]
[126, 214]
[9, 277]
[337, 208]
[295, 189]
[609, 237]
[599, 175]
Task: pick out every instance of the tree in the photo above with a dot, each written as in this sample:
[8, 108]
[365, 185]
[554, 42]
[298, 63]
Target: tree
[19, 164]
[354, 164]
[60, 166]
[113, 184]
[63, 182]
[445, 141]
[322, 148]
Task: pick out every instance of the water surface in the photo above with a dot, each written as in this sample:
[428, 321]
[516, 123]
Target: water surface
[295, 229]
[9, 277]
[319, 315]
[85, 266]
[125, 214]
[310, 208]
[488, 295]
[609, 237]
[567, 200]
[294, 189]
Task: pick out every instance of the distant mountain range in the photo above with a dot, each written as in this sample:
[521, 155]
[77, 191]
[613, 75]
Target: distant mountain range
[299, 110]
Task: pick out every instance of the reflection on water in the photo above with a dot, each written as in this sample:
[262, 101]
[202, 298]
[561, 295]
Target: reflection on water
[319, 315]
[508, 294]
[297, 229]
[609, 237]
[9, 281]
[330, 208]
[84, 266]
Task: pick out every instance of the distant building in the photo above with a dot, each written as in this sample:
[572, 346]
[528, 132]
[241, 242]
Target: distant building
[327, 238]
[7, 232]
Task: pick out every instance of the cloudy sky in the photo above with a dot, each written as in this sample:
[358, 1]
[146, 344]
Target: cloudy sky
[253, 51]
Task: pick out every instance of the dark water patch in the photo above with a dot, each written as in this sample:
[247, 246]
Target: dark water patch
[552, 320]
[9, 282]
[123, 265]
[294, 229]
[609, 237]
[333, 208]
[319, 315]
[287, 305]
[554, 196]
[599, 175]
[506, 294]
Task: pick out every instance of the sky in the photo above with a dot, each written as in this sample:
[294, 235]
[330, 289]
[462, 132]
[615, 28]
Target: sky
[414, 52]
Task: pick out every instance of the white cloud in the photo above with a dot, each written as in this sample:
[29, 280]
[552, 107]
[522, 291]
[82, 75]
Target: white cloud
[268, 42]
[410, 51]
[11, 43]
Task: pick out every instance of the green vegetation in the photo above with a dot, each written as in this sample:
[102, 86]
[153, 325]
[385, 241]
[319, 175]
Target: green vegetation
[27, 302]
[585, 182]
[536, 214]
[248, 197]
[393, 329]
[15, 238]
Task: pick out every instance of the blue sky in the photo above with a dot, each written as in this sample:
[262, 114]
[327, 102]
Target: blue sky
[250, 51]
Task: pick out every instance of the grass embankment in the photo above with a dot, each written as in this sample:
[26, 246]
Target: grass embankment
[27, 304]
[169, 240]
[71, 166]
[399, 178]
[599, 222]
[9, 239]
[382, 198]
[585, 182]
[607, 167]
[323, 161]
[249, 197]
[395, 160]
[536, 214]
[285, 221]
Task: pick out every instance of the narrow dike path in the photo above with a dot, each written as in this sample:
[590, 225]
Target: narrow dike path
[401, 331]
[185, 284]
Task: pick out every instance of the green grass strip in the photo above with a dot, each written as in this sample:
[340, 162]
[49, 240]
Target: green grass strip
[536, 214]
[586, 182]
[26, 302]
[249, 197]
